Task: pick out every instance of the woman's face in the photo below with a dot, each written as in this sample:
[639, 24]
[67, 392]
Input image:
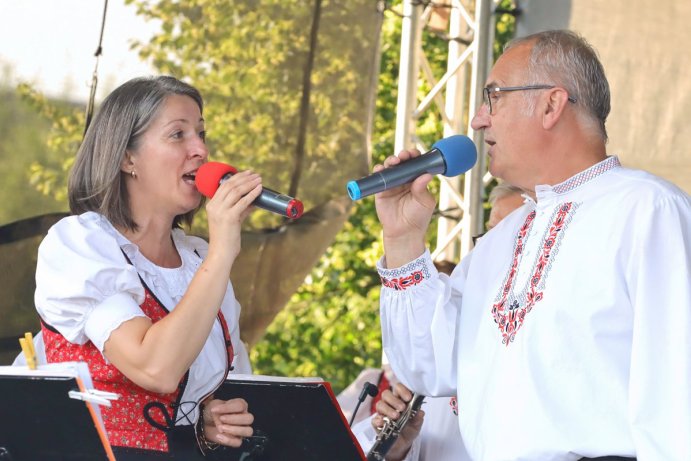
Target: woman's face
[166, 161]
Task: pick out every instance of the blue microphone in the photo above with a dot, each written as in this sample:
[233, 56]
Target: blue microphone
[449, 156]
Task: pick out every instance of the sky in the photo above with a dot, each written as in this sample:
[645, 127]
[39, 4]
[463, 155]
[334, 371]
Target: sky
[51, 44]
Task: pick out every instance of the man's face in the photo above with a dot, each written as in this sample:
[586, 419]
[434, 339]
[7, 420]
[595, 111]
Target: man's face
[511, 134]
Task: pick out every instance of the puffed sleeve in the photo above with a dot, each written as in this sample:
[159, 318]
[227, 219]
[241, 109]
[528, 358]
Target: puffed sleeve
[84, 286]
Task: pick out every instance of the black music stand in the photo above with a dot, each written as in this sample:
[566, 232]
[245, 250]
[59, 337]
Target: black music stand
[293, 420]
[41, 422]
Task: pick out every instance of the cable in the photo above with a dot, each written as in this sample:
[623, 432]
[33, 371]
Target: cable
[94, 77]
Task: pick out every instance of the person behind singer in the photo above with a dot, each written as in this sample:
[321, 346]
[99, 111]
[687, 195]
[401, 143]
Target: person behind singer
[120, 286]
[503, 199]
[566, 331]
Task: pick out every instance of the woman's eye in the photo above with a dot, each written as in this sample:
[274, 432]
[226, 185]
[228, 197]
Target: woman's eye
[202, 135]
[177, 135]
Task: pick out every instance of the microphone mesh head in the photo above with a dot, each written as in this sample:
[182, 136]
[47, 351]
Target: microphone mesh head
[209, 176]
[459, 152]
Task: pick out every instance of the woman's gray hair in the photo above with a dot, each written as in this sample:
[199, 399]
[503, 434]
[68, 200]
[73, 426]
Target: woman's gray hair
[96, 182]
[566, 59]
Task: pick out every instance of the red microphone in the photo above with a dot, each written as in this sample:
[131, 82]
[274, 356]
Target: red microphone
[212, 174]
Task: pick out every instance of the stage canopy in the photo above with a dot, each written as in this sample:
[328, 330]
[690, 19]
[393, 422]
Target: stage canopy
[644, 48]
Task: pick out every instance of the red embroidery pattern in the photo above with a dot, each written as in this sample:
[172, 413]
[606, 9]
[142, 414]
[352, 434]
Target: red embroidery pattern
[511, 320]
[124, 420]
[405, 282]
[453, 403]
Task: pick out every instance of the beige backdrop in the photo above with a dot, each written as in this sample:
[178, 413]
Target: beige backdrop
[644, 46]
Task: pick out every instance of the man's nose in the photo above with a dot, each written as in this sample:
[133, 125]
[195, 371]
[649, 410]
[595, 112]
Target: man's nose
[481, 119]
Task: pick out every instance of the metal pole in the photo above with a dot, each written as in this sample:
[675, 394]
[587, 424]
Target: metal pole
[408, 75]
[455, 101]
[474, 185]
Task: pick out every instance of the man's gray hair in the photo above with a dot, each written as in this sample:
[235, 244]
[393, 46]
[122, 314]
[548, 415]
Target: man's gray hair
[96, 182]
[566, 59]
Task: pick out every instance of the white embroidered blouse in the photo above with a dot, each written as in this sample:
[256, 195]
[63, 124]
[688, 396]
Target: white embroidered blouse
[85, 289]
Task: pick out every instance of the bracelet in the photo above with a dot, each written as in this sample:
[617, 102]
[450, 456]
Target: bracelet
[202, 434]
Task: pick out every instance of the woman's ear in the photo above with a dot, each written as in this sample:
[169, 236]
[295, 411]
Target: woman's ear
[127, 164]
[557, 100]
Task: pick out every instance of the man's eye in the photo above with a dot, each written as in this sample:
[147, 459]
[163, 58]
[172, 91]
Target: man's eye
[494, 95]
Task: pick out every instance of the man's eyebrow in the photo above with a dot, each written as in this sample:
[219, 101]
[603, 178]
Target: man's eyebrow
[491, 84]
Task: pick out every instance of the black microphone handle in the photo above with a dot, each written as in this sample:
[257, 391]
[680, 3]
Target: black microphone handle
[272, 201]
[432, 162]
[269, 200]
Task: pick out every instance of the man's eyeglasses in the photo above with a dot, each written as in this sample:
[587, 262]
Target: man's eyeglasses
[488, 92]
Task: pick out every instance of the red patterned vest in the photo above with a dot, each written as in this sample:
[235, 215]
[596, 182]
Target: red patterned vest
[139, 418]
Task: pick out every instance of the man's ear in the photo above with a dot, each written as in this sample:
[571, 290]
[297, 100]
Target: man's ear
[556, 102]
[127, 164]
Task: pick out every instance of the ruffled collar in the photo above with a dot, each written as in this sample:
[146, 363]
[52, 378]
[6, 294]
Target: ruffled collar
[173, 281]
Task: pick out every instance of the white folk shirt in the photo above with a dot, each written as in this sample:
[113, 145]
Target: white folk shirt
[85, 289]
[567, 331]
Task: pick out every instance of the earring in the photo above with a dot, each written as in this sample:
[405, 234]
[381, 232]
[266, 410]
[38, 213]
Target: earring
[134, 174]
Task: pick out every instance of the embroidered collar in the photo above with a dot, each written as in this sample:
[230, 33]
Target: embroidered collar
[591, 173]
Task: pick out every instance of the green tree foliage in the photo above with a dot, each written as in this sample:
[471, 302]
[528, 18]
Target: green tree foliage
[49, 174]
[24, 135]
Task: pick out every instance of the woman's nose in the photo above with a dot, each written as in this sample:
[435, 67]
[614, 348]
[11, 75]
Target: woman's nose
[199, 149]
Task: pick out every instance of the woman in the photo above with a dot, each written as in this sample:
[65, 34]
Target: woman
[120, 285]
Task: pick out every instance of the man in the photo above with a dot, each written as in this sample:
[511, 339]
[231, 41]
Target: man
[567, 330]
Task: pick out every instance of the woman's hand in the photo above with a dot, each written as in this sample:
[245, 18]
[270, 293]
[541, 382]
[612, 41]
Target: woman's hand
[405, 213]
[391, 405]
[227, 421]
[228, 208]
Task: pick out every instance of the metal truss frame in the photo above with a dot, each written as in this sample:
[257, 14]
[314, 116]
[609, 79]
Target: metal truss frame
[456, 95]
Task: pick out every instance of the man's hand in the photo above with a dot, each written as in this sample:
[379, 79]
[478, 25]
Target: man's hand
[405, 213]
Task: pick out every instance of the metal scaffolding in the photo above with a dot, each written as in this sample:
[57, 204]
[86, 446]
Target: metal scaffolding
[456, 96]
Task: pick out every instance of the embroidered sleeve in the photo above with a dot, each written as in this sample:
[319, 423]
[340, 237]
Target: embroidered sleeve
[412, 274]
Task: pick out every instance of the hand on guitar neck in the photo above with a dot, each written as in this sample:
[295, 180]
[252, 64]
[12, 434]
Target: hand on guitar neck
[398, 421]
